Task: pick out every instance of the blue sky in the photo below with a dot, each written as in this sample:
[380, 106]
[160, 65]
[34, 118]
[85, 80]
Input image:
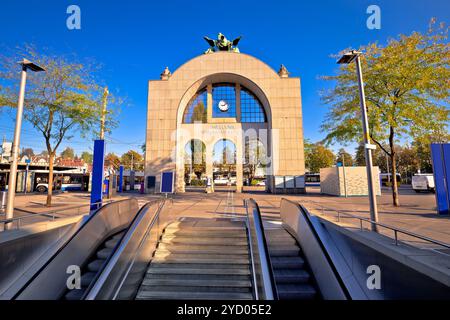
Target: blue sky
[136, 39]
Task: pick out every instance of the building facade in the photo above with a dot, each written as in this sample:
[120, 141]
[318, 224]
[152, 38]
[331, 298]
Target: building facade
[226, 116]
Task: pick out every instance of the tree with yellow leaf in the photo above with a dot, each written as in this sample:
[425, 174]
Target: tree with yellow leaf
[407, 91]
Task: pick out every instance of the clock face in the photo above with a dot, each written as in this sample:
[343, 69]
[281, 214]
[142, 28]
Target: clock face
[223, 106]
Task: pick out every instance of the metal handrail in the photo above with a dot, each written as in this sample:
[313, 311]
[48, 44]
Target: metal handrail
[392, 228]
[51, 214]
[263, 261]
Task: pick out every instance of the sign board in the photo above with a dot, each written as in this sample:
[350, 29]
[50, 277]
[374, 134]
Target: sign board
[300, 181]
[339, 164]
[289, 182]
[279, 182]
[167, 181]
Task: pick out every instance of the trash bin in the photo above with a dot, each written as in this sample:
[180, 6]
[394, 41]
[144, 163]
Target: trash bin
[3, 200]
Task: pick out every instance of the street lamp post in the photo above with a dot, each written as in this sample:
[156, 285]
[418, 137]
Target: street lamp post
[348, 58]
[26, 65]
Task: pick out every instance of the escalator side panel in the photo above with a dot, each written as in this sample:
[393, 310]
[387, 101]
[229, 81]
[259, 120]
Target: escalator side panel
[50, 283]
[121, 277]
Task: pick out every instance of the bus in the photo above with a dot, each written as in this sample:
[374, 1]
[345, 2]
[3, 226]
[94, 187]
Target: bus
[62, 180]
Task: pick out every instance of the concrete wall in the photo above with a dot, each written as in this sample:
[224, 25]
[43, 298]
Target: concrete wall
[168, 98]
[332, 181]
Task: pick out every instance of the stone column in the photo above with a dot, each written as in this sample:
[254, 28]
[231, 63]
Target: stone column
[209, 102]
[239, 161]
[209, 160]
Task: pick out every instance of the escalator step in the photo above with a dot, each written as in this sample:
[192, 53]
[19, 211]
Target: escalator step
[95, 265]
[111, 243]
[291, 276]
[284, 251]
[74, 294]
[86, 278]
[296, 291]
[104, 253]
[287, 262]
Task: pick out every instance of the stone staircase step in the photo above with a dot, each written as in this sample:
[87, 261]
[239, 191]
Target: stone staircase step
[199, 241]
[206, 283]
[207, 233]
[200, 256]
[208, 268]
[194, 288]
[183, 274]
[180, 248]
[204, 260]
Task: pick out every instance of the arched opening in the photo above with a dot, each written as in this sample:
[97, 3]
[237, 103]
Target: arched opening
[224, 163]
[195, 163]
[256, 162]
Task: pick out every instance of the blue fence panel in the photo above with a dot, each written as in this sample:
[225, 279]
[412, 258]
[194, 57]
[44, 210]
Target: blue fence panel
[97, 174]
[119, 187]
[440, 176]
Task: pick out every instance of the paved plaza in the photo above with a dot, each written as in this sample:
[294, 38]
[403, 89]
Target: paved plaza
[417, 213]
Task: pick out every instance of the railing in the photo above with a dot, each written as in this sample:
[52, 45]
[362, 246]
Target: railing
[264, 287]
[122, 274]
[396, 231]
[52, 215]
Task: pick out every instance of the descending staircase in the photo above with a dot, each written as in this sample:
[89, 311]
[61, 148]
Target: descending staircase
[292, 278]
[200, 259]
[93, 267]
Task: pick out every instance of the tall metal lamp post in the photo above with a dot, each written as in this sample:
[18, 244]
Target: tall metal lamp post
[348, 58]
[26, 65]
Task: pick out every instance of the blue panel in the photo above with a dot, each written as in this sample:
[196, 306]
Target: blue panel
[439, 178]
[119, 187]
[97, 174]
[446, 157]
[167, 182]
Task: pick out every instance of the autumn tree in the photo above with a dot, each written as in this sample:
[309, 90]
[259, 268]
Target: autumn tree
[59, 102]
[345, 158]
[27, 152]
[317, 156]
[87, 157]
[132, 160]
[68, 153]
[407, 86]
[112, 160]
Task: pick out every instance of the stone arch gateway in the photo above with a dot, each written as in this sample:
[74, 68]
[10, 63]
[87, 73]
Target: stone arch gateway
[224, 95]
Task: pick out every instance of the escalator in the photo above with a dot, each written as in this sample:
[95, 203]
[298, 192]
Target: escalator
[293, 278]
[93, 266]
[147, 254]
